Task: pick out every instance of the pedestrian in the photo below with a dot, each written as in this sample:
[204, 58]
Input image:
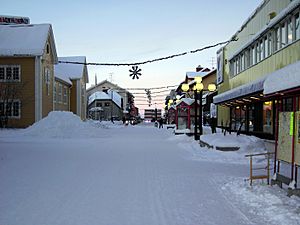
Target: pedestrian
[160, 123]
[124, 120]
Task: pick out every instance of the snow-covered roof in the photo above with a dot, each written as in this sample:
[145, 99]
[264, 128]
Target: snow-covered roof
[243, 90]
[96, 109]
[275, 20]
[286, 78]
[195, 74]
[188, 101]
[110, 95]
[68, 70]
[99, 95]
[26, 40]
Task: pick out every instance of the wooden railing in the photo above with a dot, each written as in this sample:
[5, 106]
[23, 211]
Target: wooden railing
[267, 167]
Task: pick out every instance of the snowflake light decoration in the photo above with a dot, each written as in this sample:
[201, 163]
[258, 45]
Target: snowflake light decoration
[135, 72]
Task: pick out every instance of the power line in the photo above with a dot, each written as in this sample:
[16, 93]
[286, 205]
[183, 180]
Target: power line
[152, 60]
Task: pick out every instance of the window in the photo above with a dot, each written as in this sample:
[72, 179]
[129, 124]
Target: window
[267, 117]
[283, 32]
[253, 55]
[59, 92]
[2, 73]
[290, 35]
[65, 95]
[277, 39]
[261, 48]
[297, 28]
[1, 108]
[16, 109]
[99, 104]
[11, 109]
[257, 53]
[270, 43]
[54, 92]
[48, 49]
[106, 104]
[47, 80]
[242, 62]
[16, 73]
[266, 47]
[10, 72]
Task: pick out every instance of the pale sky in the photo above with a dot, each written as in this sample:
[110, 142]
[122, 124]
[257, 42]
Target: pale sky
[133, 31]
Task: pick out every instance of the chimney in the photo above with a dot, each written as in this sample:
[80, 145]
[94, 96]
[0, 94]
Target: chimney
[199, 68]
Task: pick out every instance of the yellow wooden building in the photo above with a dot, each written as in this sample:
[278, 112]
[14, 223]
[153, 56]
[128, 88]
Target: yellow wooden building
[27, 58]
[267, 42]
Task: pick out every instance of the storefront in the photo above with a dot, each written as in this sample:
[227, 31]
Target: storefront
[185, 116]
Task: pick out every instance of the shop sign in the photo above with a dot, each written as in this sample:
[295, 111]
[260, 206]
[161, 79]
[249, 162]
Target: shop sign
[14, 20]
[220, 66]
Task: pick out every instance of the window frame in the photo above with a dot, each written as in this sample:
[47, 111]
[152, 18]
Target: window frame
[10, 68]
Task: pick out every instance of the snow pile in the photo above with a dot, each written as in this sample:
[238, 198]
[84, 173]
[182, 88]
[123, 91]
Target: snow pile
[247, 144]
[270, 203]
[59, 124]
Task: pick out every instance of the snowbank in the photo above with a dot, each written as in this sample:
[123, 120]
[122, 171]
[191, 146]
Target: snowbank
[59, 124]
[247, 144]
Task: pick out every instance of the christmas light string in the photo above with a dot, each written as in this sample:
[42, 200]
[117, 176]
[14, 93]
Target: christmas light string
[152, 60]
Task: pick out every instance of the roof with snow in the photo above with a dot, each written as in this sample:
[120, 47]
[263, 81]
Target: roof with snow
[191, 75]
[243, 90]
[110, 95]
[283, 79]
[188, 101]
[67, 71]
[26, 40]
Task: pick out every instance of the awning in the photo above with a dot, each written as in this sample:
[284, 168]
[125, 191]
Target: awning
[241, 91]
[283, 79]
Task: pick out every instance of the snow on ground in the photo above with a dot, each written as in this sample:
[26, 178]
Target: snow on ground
[128, 175]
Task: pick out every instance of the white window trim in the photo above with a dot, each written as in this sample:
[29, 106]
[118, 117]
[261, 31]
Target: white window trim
[272, 44]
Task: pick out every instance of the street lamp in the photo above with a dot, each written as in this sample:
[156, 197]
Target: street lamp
[198, 88]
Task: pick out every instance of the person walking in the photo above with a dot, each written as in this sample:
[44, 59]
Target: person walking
[160, 123]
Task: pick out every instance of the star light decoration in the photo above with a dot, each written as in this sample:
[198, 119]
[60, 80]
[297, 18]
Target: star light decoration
[135, 72]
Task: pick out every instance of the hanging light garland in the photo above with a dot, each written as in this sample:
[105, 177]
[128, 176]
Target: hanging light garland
[136, 72]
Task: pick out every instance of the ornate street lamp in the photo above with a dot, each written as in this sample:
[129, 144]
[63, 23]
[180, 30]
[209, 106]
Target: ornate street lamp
[198, 88]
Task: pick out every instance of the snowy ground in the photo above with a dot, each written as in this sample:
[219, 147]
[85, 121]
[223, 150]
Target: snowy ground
[74, 173]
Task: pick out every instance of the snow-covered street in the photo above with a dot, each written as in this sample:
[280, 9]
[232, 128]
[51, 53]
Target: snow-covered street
[129, 175]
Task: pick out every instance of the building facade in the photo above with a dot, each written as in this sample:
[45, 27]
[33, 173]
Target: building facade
[268, 41]
[26, 73]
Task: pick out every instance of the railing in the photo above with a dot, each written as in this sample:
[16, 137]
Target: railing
[267, 168]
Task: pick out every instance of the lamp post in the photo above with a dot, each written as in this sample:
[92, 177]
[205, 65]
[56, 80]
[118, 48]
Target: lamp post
[198, 89]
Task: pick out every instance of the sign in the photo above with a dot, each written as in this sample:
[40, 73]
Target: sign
[292, 124]
[14, 20]
[213, 110]
[220, 64]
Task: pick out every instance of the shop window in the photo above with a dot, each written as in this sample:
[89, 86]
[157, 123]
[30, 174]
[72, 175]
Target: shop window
[251, 118]
[267, 117]
[287, 105]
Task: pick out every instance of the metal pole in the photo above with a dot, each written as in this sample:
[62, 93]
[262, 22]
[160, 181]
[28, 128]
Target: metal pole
[200, 114]
[196, 136]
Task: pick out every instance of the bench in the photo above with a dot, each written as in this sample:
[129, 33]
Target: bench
[281, 179]
[170, 126]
